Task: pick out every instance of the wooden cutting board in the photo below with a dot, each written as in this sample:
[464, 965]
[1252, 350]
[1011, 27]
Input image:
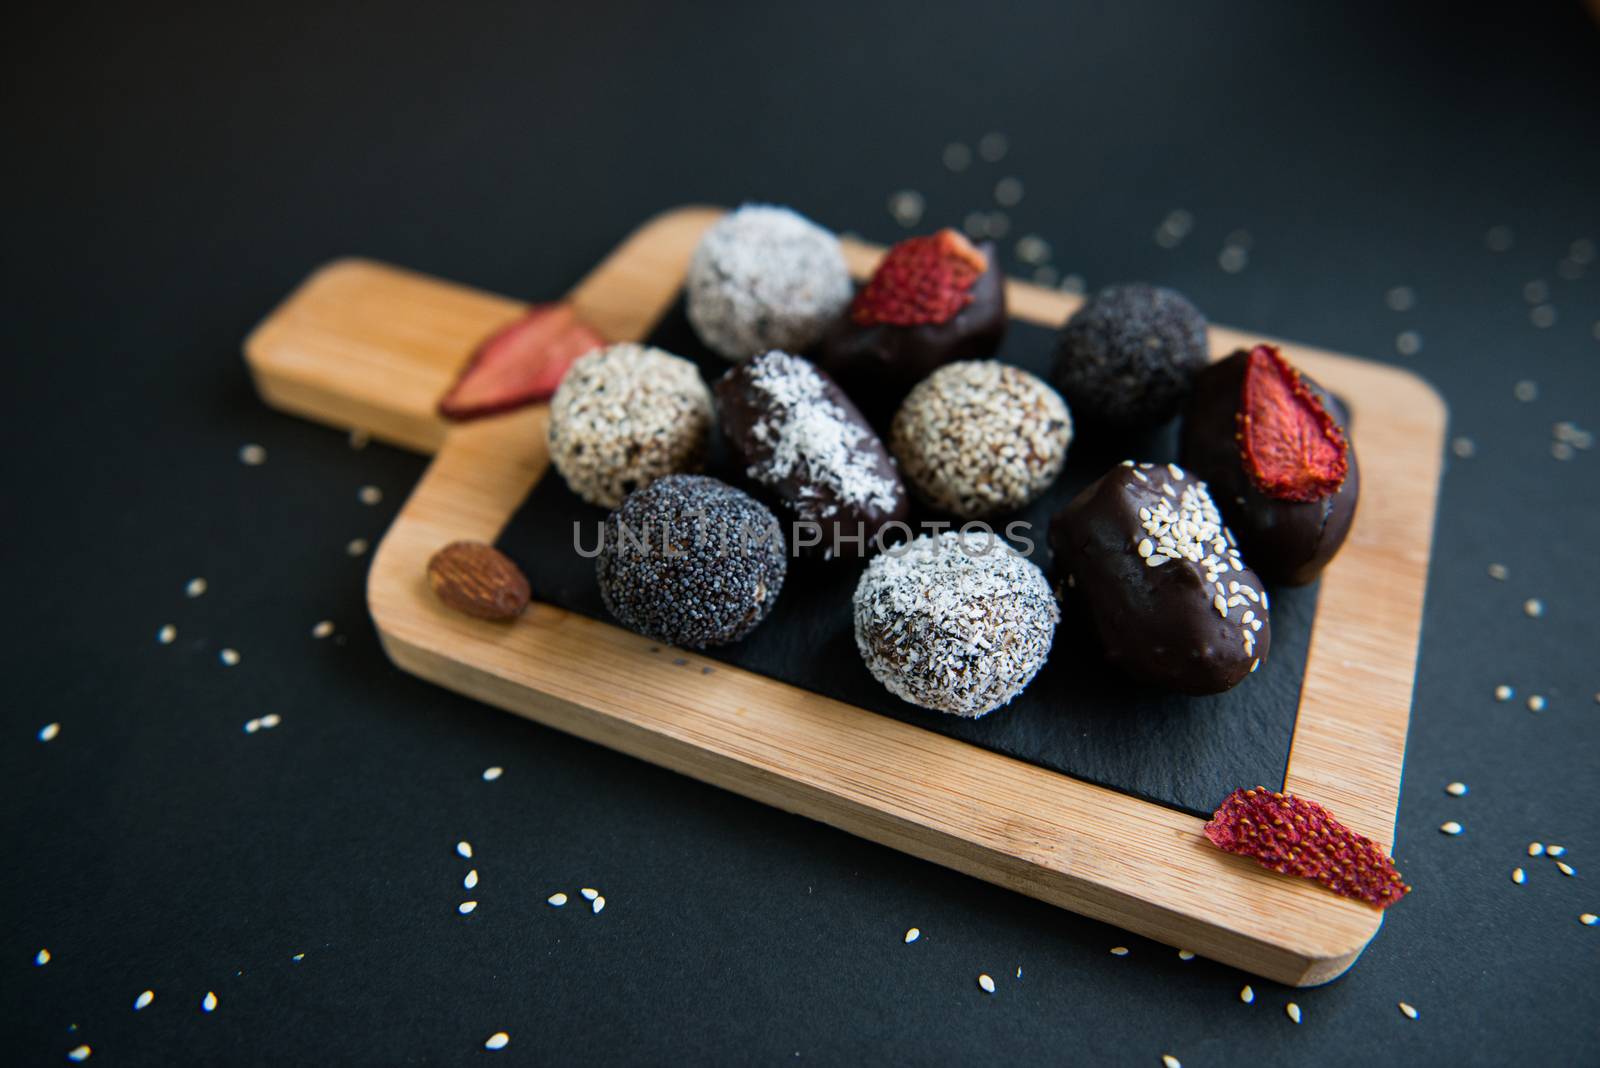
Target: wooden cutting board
[367, 346]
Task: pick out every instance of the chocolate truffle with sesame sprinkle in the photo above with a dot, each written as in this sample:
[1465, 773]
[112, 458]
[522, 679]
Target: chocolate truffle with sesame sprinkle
[956, 622]
[764, 278]
[1127, 358]
[978, 438]
[625, 415]
[799, 438]
[1144, 555]
[691, 561]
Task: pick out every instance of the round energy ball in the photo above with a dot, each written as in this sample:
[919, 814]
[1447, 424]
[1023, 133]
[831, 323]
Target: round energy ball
[1127, 358]
[691, 561]
[977, 438]
[764, 278]
[625, 415]
[956, 622]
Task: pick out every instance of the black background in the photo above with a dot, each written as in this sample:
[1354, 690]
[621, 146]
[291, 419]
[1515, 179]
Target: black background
[172, 173]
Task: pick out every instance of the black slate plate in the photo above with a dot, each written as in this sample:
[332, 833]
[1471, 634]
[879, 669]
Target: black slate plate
[1078, 717]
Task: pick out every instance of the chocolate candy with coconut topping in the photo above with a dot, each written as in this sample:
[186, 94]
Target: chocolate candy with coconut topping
[956, 622]
[1292, 522]
[691, 561]
[798, 436]
[1144, 553]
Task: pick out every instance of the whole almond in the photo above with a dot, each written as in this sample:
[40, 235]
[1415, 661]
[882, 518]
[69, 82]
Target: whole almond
[479, 580]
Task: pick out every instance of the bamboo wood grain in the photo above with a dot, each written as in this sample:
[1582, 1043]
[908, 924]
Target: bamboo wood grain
[370, 346]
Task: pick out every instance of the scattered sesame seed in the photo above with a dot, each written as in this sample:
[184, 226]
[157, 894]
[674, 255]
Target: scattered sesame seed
[599, 903]
[471, 881]
[1451, 827]
[1186, 954]
[1535, 849]
[1498, 572]
[323, 629]
[209, 1002]
[993, 147]
[1233, 259]
[252, 725]
[1526, 390]
[1566, 869]
[976, 225]
[907, 206]
[270, 720]
[252, 455]
[1033, 249]
[80, 1054]
[1119, 951]
[1169, 1061]
[1504, 692]
[986, 983]
[48, 732]
[195, 587]
[1536, 291]
[1074, 283]
[912, 935]
[1561, 450]
[556, 900]
[1589, 919]
[1293, 1010]
[493, 773]
[1410, 1011]
[1536, 703]
[167, 634]
[1019, 971]
[369, 495]
[1555, 851]
[1533, 607]
[1247, 994]
[589, 893]
[1464, 448]
[1456, 789]
[356, 546]
[298, 957]
[1408, 343]
[1543, 317]
[41, 958]
[464, 849]
[229, 657]
[466, 906]
[1400, 298]
[1008, 192]
[498, 1040]
[1499, 238]
[1519, 876]
[143, 1000]
[957, 157]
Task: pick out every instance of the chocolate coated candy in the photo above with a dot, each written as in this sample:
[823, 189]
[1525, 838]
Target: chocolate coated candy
[1143, 552]
[1287, 541]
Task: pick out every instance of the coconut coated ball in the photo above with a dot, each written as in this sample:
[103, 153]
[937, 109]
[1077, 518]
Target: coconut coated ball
[1128, 357]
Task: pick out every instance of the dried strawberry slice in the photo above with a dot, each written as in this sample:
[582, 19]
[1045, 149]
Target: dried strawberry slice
[1292, 836]
[520, 364]
[921, 280]
[1292, 447]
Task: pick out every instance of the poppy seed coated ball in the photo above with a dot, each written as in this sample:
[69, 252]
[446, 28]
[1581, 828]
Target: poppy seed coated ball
[1127, 358]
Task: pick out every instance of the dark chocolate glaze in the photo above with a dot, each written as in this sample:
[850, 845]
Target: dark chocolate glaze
[877, 365]
[1287, 541]
[1157, 624]
[848, 525]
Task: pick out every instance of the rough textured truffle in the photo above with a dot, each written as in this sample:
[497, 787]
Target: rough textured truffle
[1126, 359]
[1286, 541]
[978, 438]
[1144, 554]
[691, 561]
[957, 622]
[625, 415]
[800, 439]
[765, 278]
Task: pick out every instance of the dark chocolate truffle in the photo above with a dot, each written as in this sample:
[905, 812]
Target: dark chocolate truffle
[1127, 358]
[1144, 553]
[932, 300]
[691, 561]
[958, 622]
[1287, 540]
[798, 437]
[979, 438]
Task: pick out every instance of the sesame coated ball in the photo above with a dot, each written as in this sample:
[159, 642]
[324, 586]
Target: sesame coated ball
[979, 438]
[762, 278]
[958, 622]
[1128, 357]
[625, 415]
[691, 561]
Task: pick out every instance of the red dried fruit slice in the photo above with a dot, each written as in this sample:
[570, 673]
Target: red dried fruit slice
[520, 364]
[921, 280]
[1292, 447]
[1292, 836]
